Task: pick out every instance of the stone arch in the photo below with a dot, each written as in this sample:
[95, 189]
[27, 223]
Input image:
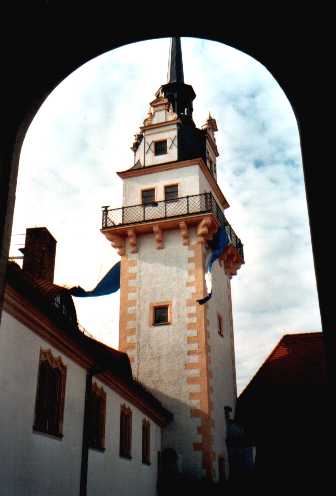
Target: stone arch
[37, 63]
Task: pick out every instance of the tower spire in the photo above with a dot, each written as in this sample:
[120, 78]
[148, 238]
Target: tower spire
[179, 94]
[175, 66]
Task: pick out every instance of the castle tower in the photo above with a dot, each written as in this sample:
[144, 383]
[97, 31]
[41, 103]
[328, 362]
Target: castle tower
[172, 207]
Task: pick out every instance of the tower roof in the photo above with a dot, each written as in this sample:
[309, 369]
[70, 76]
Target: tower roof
[179, 94]
[175, 67]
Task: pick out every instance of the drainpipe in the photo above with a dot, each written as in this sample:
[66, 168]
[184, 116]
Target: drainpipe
[85, 440]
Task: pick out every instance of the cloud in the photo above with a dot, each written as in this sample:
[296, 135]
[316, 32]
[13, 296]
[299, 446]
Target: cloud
[82, 135]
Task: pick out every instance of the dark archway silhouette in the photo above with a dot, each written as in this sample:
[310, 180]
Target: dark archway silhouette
[41, 47]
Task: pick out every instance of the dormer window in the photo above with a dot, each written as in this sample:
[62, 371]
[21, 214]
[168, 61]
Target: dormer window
[160, 147]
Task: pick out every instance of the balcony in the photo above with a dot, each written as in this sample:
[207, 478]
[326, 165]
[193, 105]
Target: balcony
[191, 207]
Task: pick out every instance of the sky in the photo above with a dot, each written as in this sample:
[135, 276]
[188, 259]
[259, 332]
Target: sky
[82, 135]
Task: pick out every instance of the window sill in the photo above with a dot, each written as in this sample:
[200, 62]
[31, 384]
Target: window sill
[161, 324]
[48, 434]
[127, 457]
[146, 463]
[95, 448]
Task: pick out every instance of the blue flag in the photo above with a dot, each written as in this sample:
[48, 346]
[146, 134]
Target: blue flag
[109, 284]
[220, 241]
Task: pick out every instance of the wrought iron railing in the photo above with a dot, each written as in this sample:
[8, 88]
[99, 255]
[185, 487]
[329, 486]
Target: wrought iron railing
[185, 205]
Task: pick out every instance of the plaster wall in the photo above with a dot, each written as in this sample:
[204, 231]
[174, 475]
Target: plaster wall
[161, 351]
[222, 359]
[204, 186]
[36, 464]
[109, 473]
[187, 179]
[190, 180]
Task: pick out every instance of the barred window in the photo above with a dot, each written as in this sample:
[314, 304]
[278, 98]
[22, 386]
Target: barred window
[49, 404]
[160, 147]
[148, 195]
[125, 432]
[97, 415]
[146, 442]
[171, 192]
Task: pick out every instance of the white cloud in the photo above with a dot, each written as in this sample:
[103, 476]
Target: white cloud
[82, 135]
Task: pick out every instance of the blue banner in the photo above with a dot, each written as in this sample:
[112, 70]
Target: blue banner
[109, 284]
[220, 241]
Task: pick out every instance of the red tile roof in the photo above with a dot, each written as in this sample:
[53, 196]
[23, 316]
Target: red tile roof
[298, 359]
[41, 294]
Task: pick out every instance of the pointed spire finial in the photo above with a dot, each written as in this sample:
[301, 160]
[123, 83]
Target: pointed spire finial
[175, 68]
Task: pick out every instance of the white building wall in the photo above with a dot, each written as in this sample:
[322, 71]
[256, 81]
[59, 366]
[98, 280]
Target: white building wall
[162, 350]
[222, 358]
[111, 474]
[36, 464]
[204, 186]
[186, 178]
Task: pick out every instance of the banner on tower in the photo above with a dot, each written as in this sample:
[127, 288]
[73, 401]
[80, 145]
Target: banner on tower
[220, 241]
[110, 283]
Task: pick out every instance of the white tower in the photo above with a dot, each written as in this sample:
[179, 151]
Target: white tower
[172, 207]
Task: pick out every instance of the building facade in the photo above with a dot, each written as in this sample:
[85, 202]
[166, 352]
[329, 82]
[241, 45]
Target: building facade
[73, 420]
[183, 351]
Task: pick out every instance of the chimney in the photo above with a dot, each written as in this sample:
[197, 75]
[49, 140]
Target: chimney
[39, 253]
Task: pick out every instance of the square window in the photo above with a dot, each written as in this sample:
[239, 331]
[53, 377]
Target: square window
[161, 315]
[160, 147]
[171, 192]
[148, 196]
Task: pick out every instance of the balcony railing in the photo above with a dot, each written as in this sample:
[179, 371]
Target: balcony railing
[165, 209]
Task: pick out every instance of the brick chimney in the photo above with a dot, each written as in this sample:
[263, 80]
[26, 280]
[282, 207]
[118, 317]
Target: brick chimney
[39, 253]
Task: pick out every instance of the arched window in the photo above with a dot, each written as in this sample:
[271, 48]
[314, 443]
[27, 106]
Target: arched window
[49, 404]
[125, 432]
[146, 441]
[97, 417]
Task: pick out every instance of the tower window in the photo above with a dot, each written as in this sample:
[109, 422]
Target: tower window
[220, 325]
[49, 405]
[146, 441]
[97, 407]
[160, 314]
[160, 147]
[125, 432]
[148, 196]
[171, 192]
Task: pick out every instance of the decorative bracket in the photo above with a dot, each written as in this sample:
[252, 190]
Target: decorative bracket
[184, 232]
[118, 243]
[205, 230]
[158, 234]
[132, 239]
